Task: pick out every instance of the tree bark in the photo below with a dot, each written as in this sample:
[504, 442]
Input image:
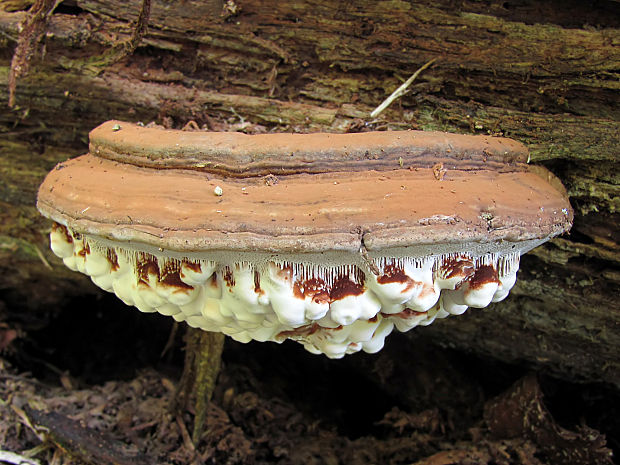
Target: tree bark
[545, 73]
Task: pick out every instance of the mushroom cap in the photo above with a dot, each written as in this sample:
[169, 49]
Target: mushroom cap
[332, 240]
[312, 193]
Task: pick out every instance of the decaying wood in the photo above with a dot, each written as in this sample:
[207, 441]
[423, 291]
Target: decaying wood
[544, 74]
[17, 459]
[85, 444]
[32, 29]
[520, 412]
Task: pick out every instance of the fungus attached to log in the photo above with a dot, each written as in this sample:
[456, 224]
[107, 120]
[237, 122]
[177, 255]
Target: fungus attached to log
[331, 240]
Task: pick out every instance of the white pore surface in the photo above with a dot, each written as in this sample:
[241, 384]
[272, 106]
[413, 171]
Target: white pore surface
[274, 301]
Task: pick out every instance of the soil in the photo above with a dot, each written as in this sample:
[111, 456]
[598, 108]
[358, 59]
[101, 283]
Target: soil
[103, 395]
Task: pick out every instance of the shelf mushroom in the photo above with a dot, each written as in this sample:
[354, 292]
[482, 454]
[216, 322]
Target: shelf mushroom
[332, 240]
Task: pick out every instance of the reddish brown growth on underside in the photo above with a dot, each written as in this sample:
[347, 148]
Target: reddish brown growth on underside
[485, 274]
[286, 272]
[59, 227]
[320, 291]
[308, 330]
[194, 266]
[257, 287]
[345, 287]
[302, 331]
[169, 274]
[395, 274]
[113, 259]
[406, 313]
[85, 250]
[314, 288]
[458, 266]
[145, 266]
[427, 289]
[228, 277]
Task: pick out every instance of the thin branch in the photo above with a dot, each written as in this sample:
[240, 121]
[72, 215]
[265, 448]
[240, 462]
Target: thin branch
[119, 51]
[82, 443]
[171, 337]
[42, 257]
[401, 90]
[32, 29]
[141, 27]
[12, 457]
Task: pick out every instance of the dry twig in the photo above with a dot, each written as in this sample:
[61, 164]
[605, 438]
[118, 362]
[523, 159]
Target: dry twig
[32, 29]
[17, 459]
[82, 443]
[401, 90]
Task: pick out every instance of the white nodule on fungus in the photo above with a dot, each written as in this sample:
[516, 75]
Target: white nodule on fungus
[333, 310]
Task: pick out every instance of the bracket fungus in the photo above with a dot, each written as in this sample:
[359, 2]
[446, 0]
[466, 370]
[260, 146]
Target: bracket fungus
[332, 240]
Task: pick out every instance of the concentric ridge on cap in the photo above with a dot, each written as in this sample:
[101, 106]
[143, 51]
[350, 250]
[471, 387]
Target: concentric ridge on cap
[240, 155]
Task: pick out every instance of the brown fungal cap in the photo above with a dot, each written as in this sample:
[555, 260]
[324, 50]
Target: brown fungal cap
[237, 154]
[404, 206]
[332, 240]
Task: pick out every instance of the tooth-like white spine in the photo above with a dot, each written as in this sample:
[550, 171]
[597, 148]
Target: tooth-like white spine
[259, 300]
